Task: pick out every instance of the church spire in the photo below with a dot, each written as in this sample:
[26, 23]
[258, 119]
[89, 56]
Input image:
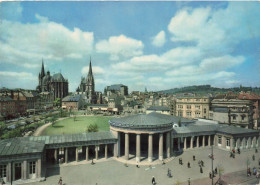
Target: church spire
[42, 71]
[90, 68]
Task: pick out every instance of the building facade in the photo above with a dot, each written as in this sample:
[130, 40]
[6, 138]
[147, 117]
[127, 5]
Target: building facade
[193, 107]
[118, 89]
[232, 112]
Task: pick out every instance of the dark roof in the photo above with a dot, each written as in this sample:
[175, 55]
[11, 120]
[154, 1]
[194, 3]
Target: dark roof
[57, 78]
[115, 87]
[235, 130]
[159, 108]
[17, 146]
[152, 120]
[5, 98]
[66, 138]
[195, 128]
[74, 98]
[36, 144]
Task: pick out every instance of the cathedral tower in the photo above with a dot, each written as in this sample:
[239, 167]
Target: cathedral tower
[90, 86]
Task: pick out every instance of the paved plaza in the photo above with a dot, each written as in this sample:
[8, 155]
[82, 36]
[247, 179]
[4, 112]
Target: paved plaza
[114, 172]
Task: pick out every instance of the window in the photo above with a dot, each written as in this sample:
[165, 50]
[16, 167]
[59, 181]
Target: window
[197, 113]
[197, 99]
[219, 139]
[3, 170]
[180, 113]
[228, 142]
[243, 117]
[32, 167]
[205, 110]
[188, 106]
[188, 113]
[197, 106]
[180, 106]
[234, 117]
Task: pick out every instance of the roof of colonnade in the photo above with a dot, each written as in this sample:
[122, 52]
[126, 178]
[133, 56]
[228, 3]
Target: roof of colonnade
[152, 120]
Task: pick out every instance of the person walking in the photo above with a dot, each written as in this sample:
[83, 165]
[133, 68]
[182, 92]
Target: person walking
[194, 158]
[188, 164]
[153, 180]
[60, 181]
[201, 170]
[253, 157]
[216, 170]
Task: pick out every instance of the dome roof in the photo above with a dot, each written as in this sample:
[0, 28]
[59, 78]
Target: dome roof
[58, 78]
[144, 121]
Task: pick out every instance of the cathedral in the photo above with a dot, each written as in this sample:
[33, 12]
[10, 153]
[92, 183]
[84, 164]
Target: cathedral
[55, 84]
[87, 88]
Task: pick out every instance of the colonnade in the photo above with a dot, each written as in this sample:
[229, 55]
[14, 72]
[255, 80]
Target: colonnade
[150, 146]
[192, 144]
[85, 150]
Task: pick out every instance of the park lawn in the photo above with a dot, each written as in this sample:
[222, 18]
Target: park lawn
[69, 126]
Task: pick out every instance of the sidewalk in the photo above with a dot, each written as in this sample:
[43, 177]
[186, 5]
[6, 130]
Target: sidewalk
[234, 178]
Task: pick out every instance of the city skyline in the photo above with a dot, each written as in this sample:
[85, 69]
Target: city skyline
[158, 45]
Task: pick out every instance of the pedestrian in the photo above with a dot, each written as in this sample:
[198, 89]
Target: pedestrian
[163, 163]
[210, 175]
[60, 181]
[153, 180]
[202, 163]
[256, 150]
[201, 170]
[194, 158]
[181, 161]
[92, 162]
[254, 171]
[253, 157]
[259, 162]
[189, 181]
[238, 150]
[216, 170]
[188, 164]
[169, 174]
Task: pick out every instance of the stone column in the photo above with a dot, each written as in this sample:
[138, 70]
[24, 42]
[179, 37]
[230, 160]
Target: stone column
[150, 148]
[86, 153]
[198, 141]
[254, 142]
[209, 140]
[161, 146]
[223, 142]
[138, 147]
[249, 142]
[96, 152]
[56, 151]
[126, 146]
[77, 154]
[171, 147]
[8, 172]
[168, 144]
[66, 155]
[106, 151]
[179, 144]
[231, 143]
[185, 143]
[39, 168]
[203, 141]
[191, 142]
[24, 170]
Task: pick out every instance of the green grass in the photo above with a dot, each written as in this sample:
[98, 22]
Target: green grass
[69, 126]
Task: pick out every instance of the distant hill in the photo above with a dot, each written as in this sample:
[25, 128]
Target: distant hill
[207, 89]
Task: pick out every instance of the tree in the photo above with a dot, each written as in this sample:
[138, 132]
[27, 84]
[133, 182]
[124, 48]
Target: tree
[92, 128]
[57, 102]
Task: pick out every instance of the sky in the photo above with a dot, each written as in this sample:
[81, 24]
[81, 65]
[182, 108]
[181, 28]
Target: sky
[158, 45]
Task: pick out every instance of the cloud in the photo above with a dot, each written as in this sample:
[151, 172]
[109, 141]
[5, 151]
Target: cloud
[159, 40]
[12, 79]
[45, 39]
[120, 46]
[16, 74]
[216, 30]
[96, 70]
